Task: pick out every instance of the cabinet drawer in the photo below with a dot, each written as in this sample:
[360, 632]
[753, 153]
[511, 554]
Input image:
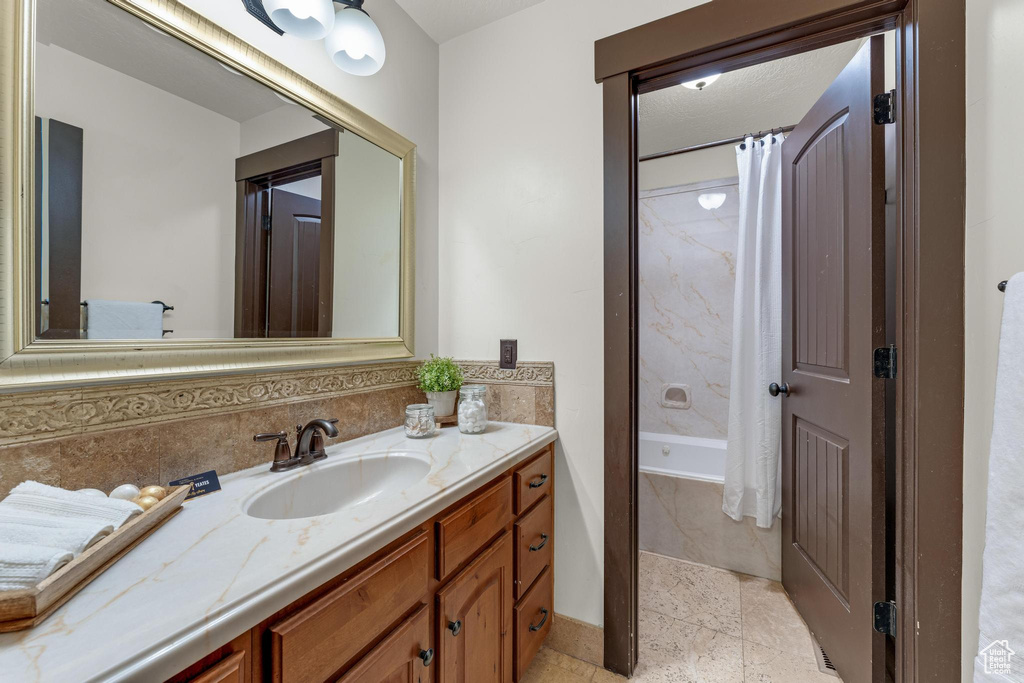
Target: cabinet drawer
[461, 534]
[316, 642]
[534, 480]
[405, 656]
[532, 621]
[534, 544]
[231, 669]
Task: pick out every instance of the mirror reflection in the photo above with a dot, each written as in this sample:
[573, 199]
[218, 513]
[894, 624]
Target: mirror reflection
[177, 198]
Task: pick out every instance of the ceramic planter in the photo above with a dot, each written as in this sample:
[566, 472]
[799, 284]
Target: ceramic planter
[443, 402]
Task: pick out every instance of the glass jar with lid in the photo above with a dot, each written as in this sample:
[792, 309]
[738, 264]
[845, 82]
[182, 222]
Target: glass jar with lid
[472, 409]
[419, 421]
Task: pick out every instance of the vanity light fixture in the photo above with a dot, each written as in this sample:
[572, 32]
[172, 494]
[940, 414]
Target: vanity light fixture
[711, 200]
[307, 19]
[355, 45]
[701, 83]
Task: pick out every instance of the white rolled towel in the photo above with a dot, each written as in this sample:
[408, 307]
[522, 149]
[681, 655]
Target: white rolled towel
[40, 499]
[24, 566]
[27, 528]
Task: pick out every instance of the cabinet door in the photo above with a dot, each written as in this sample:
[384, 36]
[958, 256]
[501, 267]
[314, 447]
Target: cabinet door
[403, 657]
[475, 615]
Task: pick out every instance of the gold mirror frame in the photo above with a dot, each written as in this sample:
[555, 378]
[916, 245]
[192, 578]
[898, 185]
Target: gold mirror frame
[30, 363]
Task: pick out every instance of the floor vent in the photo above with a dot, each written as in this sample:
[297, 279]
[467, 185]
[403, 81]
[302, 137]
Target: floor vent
[825, 665]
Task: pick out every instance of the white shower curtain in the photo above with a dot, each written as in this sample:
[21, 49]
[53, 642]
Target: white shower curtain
[752, 469]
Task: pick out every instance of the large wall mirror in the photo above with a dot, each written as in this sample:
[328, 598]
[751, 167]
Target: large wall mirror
[188, 193]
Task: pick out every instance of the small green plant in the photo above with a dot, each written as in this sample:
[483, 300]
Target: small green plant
[440, 374]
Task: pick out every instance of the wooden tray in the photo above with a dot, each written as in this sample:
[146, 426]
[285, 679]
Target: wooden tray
[23, 609]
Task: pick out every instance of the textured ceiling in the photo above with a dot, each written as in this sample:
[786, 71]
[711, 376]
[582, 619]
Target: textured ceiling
[110, 36]
[447, 19]
[759, 97]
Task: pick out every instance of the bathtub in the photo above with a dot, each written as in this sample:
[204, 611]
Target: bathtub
[687, 456]
[681, 509]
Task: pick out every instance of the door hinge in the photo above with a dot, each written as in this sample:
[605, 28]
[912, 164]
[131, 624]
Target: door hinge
[266, 223]
[885, 108]
[886, 362]
[885, 618]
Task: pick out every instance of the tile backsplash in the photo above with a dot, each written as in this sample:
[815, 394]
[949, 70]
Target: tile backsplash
[154, 433]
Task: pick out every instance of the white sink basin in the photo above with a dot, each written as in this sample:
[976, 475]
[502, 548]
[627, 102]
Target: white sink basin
[328, 487]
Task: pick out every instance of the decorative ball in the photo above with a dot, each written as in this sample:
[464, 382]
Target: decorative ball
[93, 492]
[125, 492]
[145, 502]
[158, 492]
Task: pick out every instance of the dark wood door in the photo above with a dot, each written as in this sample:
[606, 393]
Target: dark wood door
[294, 282]
[59, 159]
[833, 316]
[479, 600]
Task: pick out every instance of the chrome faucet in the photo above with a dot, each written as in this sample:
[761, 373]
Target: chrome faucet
[310, 446]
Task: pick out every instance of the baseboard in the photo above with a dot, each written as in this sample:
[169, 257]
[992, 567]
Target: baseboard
[577, 639]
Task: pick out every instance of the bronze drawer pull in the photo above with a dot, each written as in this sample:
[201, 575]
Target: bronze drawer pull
[543, 542]
[455, 626]
[427, 656]
[539, 626]
[537, 484]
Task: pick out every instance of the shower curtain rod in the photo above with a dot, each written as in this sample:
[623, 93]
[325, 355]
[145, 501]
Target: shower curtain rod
[717, 143]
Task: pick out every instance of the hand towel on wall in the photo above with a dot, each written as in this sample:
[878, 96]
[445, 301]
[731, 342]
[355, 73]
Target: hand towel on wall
[123, 320]
[41, 499]
[1002, 586]
[23, 566]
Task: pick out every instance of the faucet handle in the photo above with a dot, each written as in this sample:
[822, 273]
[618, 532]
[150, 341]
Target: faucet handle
[283, 459]
[316, 445]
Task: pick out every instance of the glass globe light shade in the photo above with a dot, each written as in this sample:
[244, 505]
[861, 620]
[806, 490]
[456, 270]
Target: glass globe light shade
[711, 200]
[355, 44]
[307, 19]
[701, 83]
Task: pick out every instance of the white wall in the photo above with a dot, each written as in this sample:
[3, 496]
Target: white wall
[403, 96]
[183, 211]
[367, 240]
[995, 251]
[521, 240]
[692, 167]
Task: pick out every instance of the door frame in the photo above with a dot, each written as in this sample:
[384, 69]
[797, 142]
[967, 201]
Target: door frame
[929, 296]
[255, 175]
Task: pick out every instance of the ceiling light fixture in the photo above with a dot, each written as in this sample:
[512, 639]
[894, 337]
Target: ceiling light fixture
[306, 19]
[711, 200]
[355, 44]
[701, 83]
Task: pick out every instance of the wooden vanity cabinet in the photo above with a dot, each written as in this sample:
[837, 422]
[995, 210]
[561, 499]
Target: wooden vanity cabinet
[465, 597]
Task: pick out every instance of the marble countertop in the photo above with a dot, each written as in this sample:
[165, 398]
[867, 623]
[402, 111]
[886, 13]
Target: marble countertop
[213, 572]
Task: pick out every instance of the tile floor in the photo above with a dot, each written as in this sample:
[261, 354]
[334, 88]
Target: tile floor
[699, 624]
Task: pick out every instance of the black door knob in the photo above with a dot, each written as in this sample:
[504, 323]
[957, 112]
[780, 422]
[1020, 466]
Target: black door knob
[776, 389]
[427, 656]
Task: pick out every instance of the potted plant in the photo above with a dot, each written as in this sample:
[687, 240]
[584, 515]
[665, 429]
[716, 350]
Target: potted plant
[440, 378]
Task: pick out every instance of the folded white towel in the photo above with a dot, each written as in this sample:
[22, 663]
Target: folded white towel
[23, 566]
[27, 528]
[123, 320]
[40, 499]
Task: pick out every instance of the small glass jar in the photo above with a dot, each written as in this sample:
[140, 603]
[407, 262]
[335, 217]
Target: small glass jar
[472, 409]
[419, 421]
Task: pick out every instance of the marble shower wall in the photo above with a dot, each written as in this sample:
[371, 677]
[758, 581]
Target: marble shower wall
[687, 278]
[150, 433]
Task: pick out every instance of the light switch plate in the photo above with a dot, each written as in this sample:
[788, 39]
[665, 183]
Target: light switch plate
[509, 354]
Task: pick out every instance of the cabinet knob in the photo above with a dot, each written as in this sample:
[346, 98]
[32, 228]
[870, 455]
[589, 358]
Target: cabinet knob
[427, 656]
[455, 626]
[776, 389]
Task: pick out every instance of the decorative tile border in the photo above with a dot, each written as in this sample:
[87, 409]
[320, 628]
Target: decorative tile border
[51, 414]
